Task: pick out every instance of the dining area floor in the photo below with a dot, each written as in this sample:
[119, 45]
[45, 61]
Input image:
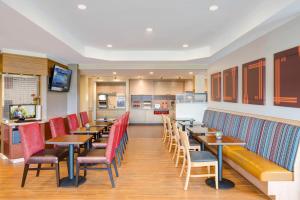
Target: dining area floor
[147, 172]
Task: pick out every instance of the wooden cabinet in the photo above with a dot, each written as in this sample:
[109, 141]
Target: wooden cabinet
[141, 87]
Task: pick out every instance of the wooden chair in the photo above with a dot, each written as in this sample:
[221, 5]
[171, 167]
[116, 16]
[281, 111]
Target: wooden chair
[165, 129]
[172, 139]
[96, 157]
[33, 144]
[193, 159]
[179, 149]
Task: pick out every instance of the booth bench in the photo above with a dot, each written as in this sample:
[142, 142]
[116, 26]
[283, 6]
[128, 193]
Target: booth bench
[270, 158]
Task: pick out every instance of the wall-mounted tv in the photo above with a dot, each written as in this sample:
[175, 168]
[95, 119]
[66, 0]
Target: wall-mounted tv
[60, 80]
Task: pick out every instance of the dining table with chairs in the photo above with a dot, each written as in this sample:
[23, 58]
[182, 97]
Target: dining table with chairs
[67, 143]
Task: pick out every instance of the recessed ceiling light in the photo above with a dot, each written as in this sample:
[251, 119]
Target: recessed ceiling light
[81, 6]
[213, 7]
[109, 46]
[151, 73]
[149, 30]
[191, 73]
[114, 73]
[185, 45]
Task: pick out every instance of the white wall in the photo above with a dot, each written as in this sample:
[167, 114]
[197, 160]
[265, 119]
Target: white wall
[63, 103]
[191, 110]
[282, 38]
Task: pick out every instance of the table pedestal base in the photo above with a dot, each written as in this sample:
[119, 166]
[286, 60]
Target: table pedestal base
[66, 182]
[224, 184]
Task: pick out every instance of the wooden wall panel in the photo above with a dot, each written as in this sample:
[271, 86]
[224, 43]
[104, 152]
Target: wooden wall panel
[254, 82]
[216, 87]
[19, 64]
[1, 63]
[286, 78]
[50, 65]
[230, 84]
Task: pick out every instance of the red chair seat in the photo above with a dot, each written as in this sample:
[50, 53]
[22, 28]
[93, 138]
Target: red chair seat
[93, 157]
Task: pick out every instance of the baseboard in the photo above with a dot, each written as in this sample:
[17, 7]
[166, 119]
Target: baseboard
[3, 157]
[18, 160]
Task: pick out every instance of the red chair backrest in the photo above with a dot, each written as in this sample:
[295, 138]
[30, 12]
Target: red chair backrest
[73, 122]
[84, 118]
[31, 139]
[57, 127]
[111, 143]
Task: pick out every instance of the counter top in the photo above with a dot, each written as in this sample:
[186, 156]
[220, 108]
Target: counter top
[13, 123]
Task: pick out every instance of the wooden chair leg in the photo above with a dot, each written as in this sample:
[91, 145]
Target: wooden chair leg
[57, 174]
[115, 167]
[177, 157]
[187, 178]
[85, 170]
[171, 144]
[38, 170]
[183, 166]
[26, 167]
[110, 175]
[175, 151]
[216, 176]
[77, 174]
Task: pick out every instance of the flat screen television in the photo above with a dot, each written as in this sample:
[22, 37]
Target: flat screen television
[22, 111]
[60, 80]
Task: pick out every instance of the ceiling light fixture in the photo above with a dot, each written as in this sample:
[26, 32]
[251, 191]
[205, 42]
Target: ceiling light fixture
[81, 7]
[149, 30]
[109, 46]
[185, 45]
[213, 7]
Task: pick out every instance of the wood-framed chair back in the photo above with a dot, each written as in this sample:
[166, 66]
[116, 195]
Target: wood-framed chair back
[197, 159]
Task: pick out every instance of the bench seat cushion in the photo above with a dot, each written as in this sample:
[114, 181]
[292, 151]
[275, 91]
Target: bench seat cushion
[256, 165]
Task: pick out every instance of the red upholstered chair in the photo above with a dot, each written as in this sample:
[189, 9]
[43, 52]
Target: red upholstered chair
[73, 122]
[35, 153]
[84, 118]
[96, 157]
[57, 126]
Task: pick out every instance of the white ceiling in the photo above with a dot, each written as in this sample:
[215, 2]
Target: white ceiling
[58, 29]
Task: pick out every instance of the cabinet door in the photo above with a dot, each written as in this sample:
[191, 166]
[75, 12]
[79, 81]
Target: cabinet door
[137, 116]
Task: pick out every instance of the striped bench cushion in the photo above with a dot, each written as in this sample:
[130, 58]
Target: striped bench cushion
[279, 143]
[210, 118]
[231, 126]
[250, 131]
[206, 116]
[218, 121]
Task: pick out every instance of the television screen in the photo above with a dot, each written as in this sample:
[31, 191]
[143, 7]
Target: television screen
[25, 111]
[61, 78]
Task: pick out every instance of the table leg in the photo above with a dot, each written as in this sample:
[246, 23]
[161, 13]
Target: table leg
[70, 180]
[223, 183]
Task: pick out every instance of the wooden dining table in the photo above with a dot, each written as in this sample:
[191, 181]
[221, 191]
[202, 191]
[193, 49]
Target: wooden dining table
[199, 130]
[211, 140]
[70, 140]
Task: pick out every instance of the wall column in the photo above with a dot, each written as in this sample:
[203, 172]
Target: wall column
[200, 83]
[73, 94]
